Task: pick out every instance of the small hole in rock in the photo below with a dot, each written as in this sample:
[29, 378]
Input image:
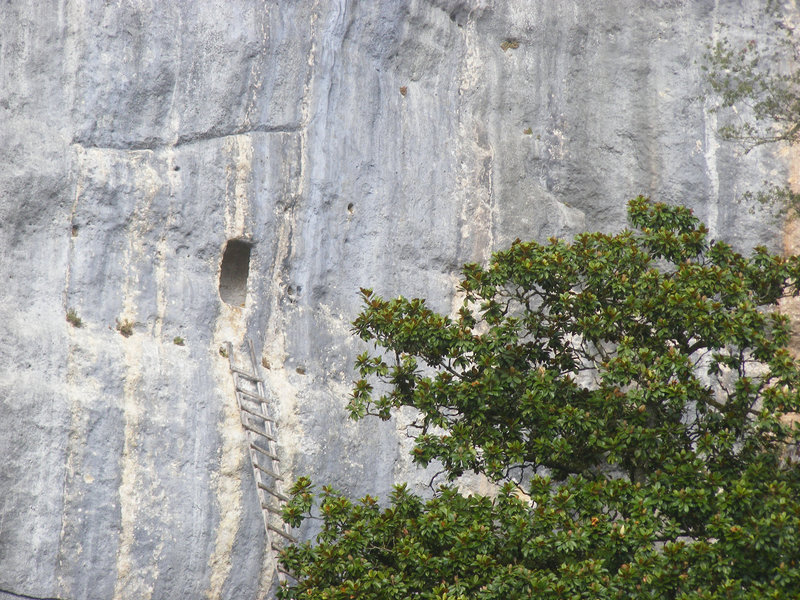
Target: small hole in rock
[233, 272]
[350, 207]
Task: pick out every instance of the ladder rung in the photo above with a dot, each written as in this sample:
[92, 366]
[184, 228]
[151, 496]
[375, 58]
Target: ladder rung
[246, 375]
[275, 510]
[275, 493]
[281, 532]
[267, 424]
[258, 432]
[272, 474]
[265, 452]
[255, 414]
[258, 397]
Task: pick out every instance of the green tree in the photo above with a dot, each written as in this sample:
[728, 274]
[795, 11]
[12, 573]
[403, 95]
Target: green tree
[629, 396]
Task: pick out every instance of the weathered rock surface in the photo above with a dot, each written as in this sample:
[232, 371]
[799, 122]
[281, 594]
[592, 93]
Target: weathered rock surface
[378, 144]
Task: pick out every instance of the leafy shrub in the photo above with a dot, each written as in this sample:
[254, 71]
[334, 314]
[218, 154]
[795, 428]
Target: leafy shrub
[631, 394]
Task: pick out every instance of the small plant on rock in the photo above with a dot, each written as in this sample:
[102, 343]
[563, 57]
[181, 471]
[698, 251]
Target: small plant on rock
[125, 327]
[73, 318]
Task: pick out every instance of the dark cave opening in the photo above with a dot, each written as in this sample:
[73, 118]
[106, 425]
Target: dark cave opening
[233, 272]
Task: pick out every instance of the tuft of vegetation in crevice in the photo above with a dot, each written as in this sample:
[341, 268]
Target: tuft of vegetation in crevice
[73, 318]
[125, 327]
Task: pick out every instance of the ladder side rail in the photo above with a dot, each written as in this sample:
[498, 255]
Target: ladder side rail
[278, 479]
[268, 425]
[270, 431]
[253, 461]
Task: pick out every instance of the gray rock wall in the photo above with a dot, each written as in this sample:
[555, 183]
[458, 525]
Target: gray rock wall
[378, 144]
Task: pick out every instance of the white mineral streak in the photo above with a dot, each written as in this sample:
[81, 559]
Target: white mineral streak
[227, 480]
[139, 488]
[81, 392]
[230, 327]
[238, 176]
[711, 144]
[162, 244]
[474, 176]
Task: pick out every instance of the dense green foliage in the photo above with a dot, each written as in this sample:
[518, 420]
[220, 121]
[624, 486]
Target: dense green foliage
[628, 394]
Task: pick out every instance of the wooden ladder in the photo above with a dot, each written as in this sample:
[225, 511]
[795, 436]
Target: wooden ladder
[260, 429]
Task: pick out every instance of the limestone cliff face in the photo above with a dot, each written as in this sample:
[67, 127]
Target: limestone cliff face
[349, 143]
